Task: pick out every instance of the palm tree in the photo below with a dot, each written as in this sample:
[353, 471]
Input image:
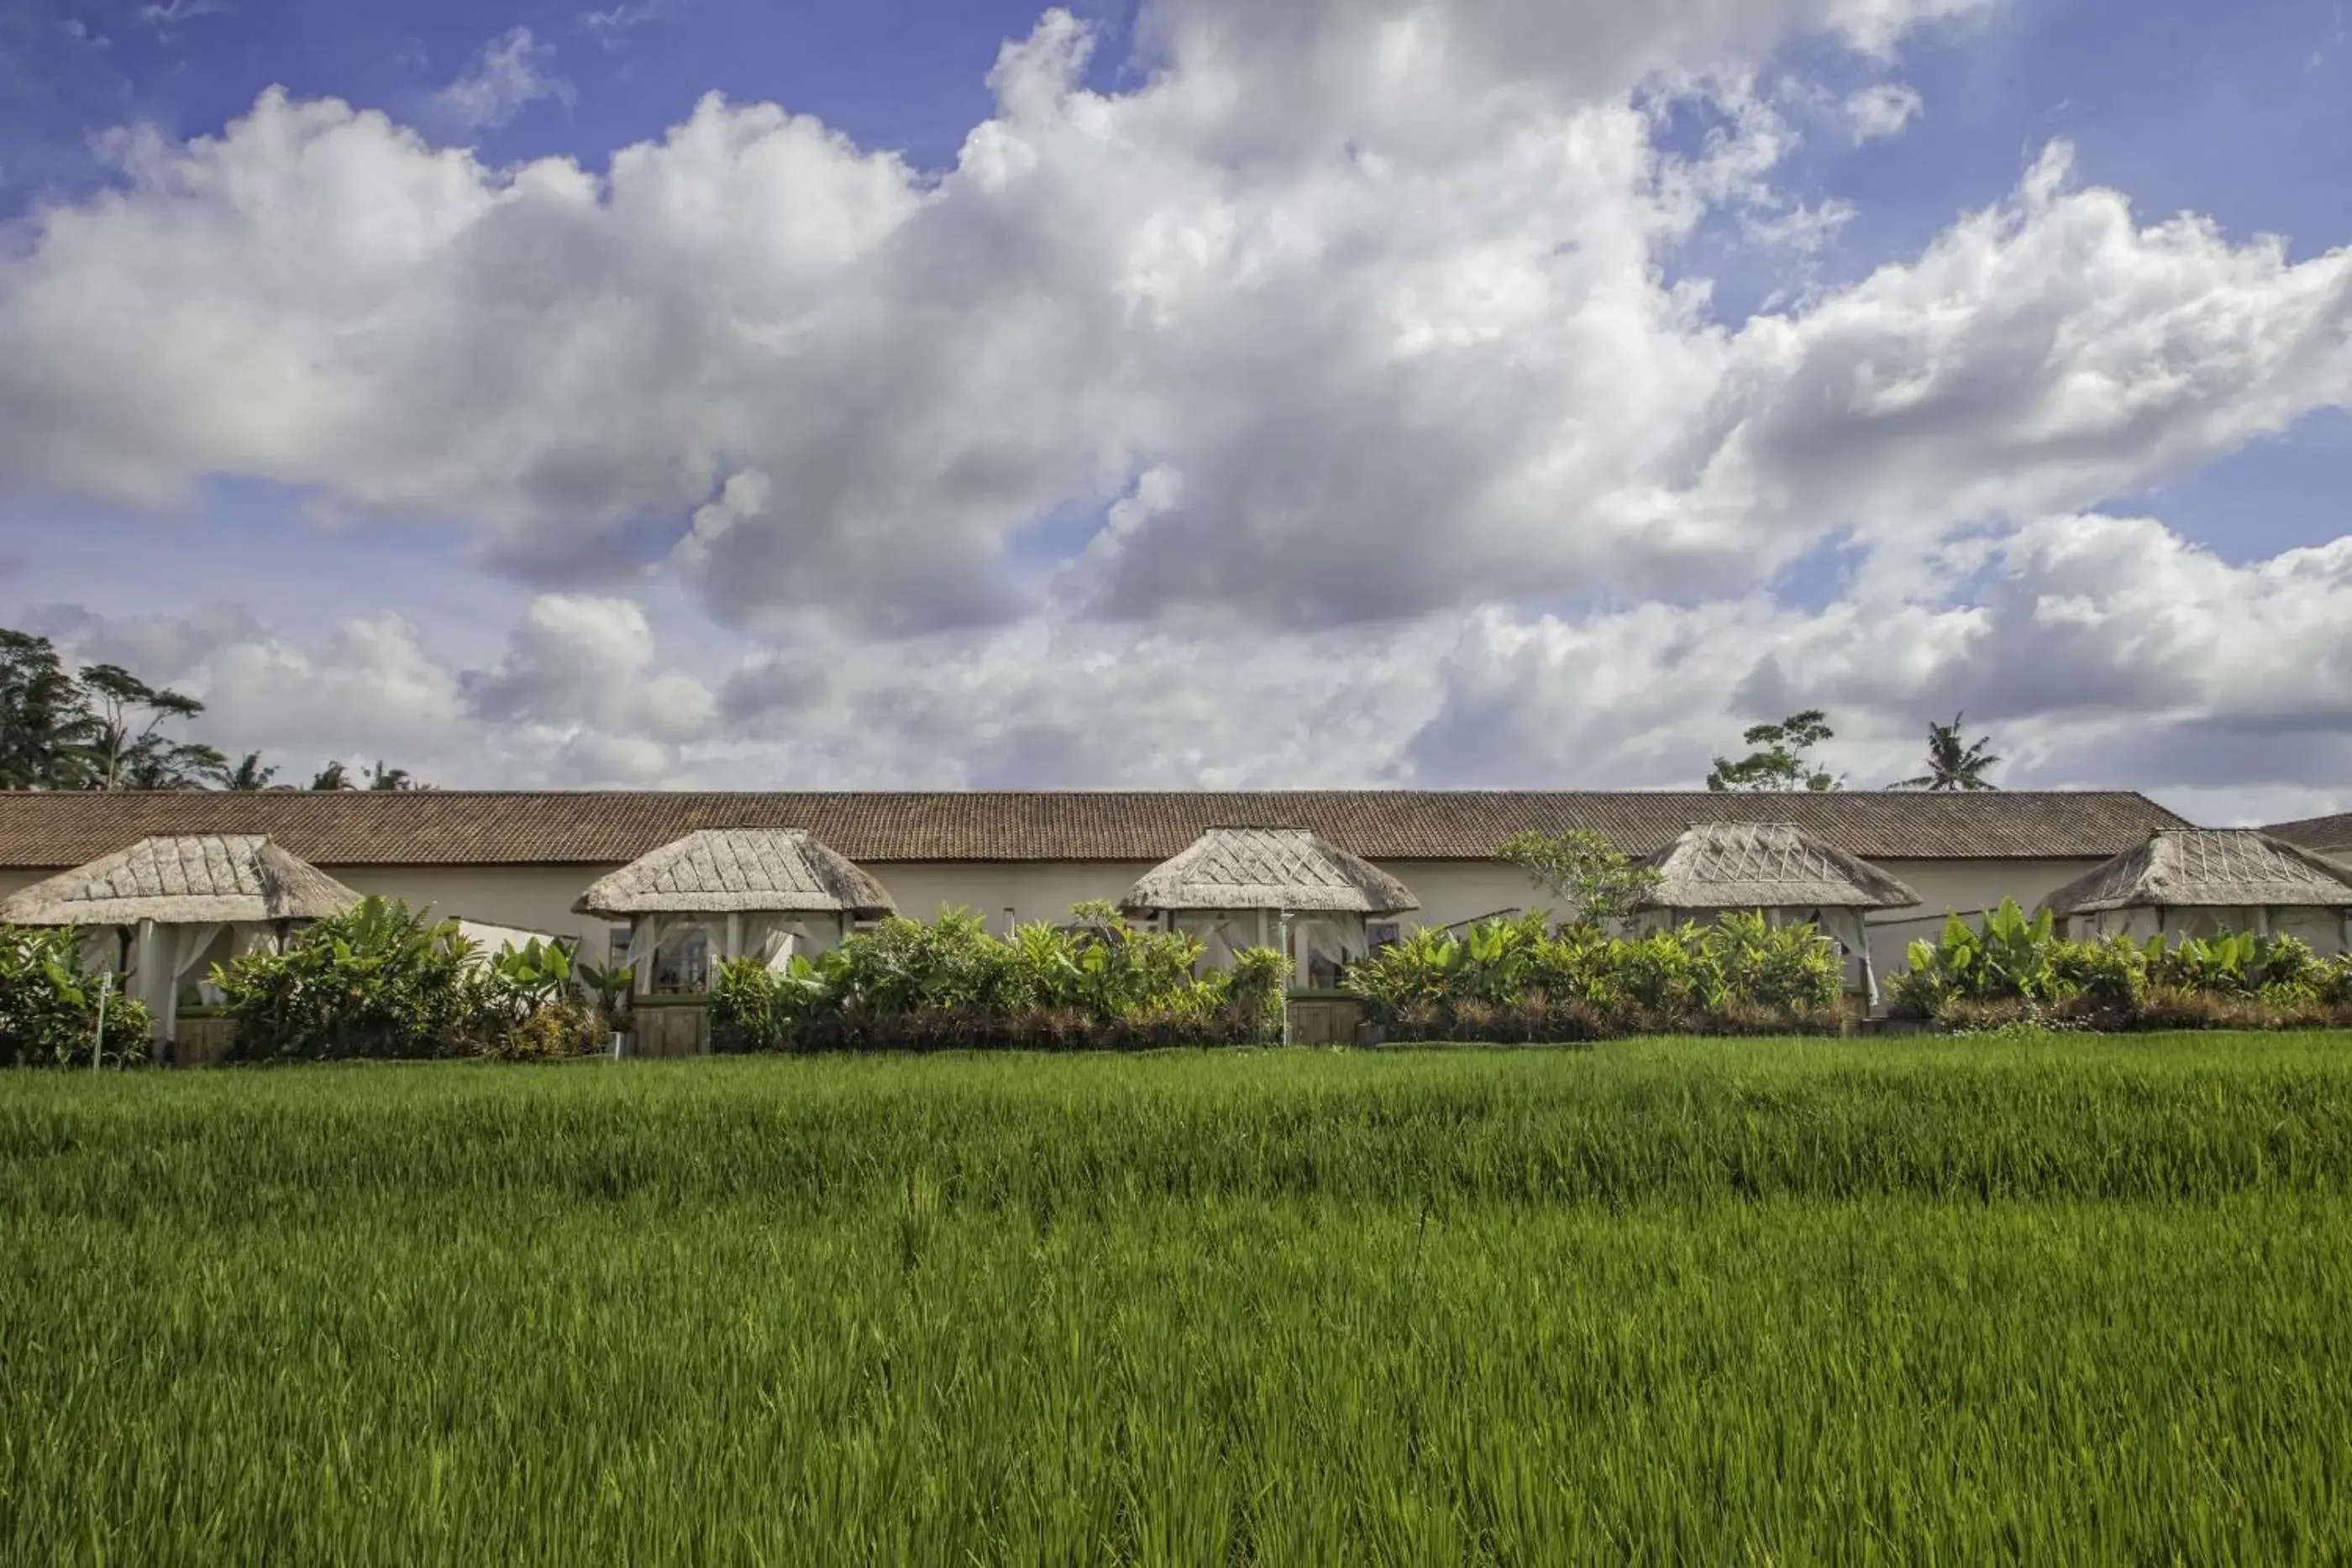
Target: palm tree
[383, 777]
[332, 777]
[1953, 764]
[248, 774]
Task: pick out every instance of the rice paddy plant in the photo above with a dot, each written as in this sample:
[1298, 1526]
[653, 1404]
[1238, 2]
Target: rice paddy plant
[2048, 1301]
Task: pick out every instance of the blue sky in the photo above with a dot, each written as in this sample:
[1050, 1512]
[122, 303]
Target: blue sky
[1173, 497]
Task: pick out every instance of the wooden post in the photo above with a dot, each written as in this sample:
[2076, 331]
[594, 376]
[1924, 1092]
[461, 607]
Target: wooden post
[155, 968]
[1290, 966]
[1869, 972]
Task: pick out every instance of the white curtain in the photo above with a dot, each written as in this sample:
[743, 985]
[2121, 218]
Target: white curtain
[1220, 935]
[190, 944]
[774, 939]
[1323, 942]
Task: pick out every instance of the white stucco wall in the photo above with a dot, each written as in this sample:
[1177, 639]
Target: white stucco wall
[1964, 887]
[533, 898]
[1033, 890]
[539, 898]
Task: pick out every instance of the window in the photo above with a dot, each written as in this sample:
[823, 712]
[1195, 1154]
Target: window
[684, 963]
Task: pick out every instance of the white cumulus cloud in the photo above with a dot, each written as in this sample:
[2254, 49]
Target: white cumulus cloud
[1279, 415]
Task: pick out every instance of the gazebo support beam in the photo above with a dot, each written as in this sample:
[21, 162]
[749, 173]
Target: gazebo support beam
[1869, 973]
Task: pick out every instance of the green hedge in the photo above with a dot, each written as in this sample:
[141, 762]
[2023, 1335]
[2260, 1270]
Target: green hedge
[383, 981]
[2011, 969]
[1099, 984]
[1521, 979]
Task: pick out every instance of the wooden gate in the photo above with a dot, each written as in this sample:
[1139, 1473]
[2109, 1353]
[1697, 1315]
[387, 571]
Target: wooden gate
[669, 1029]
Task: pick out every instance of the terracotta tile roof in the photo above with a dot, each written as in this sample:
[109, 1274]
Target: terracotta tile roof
[2329, 835]
[605, 828]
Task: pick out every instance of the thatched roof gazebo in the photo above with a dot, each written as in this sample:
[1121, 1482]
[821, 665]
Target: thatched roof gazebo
[765, 891]
[1315, 896]
[182, 896]
[2199, 880]
[1780, 871]
[1269, 868]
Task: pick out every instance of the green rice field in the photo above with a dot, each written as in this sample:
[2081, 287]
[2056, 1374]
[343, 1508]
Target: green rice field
[1939, 1301]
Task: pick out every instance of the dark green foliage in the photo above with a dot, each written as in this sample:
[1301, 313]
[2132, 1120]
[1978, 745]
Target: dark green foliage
[383, 981]
[1954, 763]
[1782, 758]
[1589, 875]
[249, 772]
[48, 1004]
[129, 748]
[46, 725]
[1518, 979]
[379, 980]
[2015, 969]
[950, 984]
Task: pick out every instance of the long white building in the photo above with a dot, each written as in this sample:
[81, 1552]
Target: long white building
[523, 860]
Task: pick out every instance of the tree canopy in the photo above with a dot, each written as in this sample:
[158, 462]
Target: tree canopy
[1954, 764]
[103, 727]
[1781, 759]
[1583, 871]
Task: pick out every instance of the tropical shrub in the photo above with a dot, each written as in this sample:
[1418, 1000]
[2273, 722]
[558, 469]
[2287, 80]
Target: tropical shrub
[2017, 970]
[2232, 964]
[1516, 978]
[608, 987]
[1774, 967]
[536, 975]
[381, 980]
[1099, 982]
[48, 1004]
[1255, 989]
[377, 980]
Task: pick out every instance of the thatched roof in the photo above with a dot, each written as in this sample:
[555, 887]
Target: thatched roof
[1767, 865]
[1269, 868]
[2208, 868]
[187, 879]
[719, 870]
